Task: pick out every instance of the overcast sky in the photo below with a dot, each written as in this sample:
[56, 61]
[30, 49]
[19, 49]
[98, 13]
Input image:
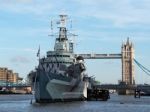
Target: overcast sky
[101, 26]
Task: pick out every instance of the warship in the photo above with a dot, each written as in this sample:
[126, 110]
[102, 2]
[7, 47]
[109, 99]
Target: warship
[60, 76]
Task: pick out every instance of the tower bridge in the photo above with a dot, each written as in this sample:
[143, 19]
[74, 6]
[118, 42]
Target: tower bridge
[127, 84]
[127, 59]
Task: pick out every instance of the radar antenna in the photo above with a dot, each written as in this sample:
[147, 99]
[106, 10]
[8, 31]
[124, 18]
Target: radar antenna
[63, 20]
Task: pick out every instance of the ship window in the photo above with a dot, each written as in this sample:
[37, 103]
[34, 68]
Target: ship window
[49, 55]
[57, 64]
[52, 65]
[65, 56]
[58, 56]
[47, 65]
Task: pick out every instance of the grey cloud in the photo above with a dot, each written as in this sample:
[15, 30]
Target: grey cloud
[20, 59]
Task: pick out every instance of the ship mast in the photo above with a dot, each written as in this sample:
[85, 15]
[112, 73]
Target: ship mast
[62, 28]
[62, 44]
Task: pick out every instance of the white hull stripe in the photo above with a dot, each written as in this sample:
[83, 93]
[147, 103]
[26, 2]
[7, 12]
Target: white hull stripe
[60, 82]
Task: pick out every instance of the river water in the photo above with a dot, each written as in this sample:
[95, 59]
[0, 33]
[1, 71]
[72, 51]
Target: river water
[21, 103]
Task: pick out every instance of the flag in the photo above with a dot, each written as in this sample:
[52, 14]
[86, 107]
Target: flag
[38, 53]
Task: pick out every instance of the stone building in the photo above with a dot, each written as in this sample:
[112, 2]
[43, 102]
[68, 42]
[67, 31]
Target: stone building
[8, 76]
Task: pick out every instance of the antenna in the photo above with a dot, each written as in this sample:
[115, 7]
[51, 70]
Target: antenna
[71, 24]
[52, 27]
[63, 19]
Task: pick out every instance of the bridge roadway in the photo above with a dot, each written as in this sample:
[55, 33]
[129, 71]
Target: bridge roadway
[100, 56]
[127, 87]
[15, 86]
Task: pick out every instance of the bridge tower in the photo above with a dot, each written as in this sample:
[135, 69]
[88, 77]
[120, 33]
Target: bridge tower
[128, 75]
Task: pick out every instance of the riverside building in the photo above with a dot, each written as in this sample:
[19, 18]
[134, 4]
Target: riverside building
[8, 76]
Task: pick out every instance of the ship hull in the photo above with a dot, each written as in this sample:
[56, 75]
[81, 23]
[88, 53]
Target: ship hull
[55, 89]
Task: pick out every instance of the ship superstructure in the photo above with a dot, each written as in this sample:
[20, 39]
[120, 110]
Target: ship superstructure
[60, 76]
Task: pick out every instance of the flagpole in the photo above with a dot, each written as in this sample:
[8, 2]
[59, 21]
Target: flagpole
[38, 53]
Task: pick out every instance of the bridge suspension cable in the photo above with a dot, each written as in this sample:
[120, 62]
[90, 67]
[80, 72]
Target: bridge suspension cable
[144, 69]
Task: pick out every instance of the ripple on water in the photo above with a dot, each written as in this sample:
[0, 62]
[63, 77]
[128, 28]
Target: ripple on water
[21, 103]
